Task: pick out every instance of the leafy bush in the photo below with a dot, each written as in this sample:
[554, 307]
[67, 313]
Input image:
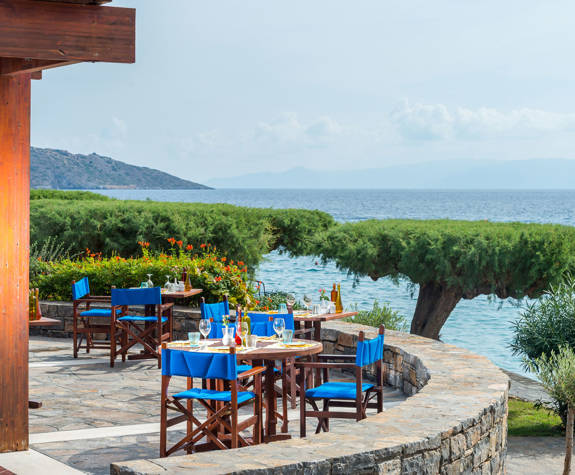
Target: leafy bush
[451, 260]
[42, 254]
[114, 227]
[67, 195]
[380, 315]
[208, 270]
[272, 300]
[547, 323]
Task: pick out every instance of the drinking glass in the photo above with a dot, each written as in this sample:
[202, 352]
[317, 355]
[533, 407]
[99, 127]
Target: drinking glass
[150, 283]
[244, 333]
[253, 341]
[287, 336]
[324, 306]
[290, 300]
[194, 338]
[282, 308]
[279, 326]
[168, 284]
[307, 301]
[316, 309]
[205, 327]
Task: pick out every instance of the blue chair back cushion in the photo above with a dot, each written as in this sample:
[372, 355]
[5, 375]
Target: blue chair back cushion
[369, 351]
[152, 296]
[262, 323]
[199, 365]
[216, 311]
[80, 288]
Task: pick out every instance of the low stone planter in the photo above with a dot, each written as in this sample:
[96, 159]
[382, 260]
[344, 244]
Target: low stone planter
[454, 422]
[185, 319]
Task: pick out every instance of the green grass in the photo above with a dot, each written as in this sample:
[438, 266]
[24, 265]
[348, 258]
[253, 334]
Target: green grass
[526, 420]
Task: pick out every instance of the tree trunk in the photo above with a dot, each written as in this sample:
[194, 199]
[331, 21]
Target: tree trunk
[435, 303]
[569, 440]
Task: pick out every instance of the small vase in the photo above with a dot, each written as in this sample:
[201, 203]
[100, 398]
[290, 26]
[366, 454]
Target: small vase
[228, 336]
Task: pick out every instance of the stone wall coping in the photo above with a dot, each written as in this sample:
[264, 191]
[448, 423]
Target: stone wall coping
[461, 391]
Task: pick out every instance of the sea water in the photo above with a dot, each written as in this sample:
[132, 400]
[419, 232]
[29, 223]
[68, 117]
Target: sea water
[482, 325]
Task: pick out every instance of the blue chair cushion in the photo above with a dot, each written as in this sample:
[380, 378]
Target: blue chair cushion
[99, 312]
[336, 390]
[211, 395]
[138, 318]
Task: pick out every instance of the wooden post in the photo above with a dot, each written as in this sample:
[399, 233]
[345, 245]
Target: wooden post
[14, 255]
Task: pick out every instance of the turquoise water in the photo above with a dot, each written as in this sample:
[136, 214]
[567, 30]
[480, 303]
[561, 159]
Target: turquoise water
[480, 325]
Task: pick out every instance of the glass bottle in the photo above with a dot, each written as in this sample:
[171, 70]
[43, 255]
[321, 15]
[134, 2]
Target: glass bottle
[38, 309]
[238, 326]
[187, 283]
[338, 304]
[333, 296]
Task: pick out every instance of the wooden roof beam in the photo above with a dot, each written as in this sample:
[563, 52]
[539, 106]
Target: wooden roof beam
[14, 66]
[64, 32]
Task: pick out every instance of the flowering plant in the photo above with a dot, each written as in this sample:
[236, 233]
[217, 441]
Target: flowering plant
[215, 275]
[323, 294]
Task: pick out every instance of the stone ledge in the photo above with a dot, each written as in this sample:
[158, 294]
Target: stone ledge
[454, 422]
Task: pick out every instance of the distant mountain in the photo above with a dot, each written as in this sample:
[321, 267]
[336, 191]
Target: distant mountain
[446, 174]
[59, 169]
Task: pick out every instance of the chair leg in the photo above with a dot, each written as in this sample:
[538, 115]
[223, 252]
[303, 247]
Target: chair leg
[75, 336]
[293, 390]
[302, 421]
[112, 345]
[284, 397]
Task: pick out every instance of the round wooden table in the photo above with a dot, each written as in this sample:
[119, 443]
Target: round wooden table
[266, 353]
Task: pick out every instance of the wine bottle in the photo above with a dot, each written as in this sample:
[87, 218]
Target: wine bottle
[238, 339]
[248, 320]
[38, 309]
[187, 283]
[333, 296]
[338, 304]
[184, 275]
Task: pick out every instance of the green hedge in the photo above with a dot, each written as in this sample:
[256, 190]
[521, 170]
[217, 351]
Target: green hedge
[208, 270]
[116, 226]
[67, 195]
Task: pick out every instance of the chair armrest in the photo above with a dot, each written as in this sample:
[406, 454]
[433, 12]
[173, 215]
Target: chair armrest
[251, 372]
[101, 297]
[94, 299]
[316, 364]
[336, 357]
[166, 306]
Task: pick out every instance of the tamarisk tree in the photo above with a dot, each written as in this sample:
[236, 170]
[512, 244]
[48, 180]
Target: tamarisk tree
[453, 260]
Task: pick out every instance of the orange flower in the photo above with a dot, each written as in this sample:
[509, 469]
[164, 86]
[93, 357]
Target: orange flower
[189, 247]
[218, 279]
[257, 302]
[117, 258]
[240, 263]
[180, 244]
[224, 259]
[232, 262]
[202, 245]
[172, 241]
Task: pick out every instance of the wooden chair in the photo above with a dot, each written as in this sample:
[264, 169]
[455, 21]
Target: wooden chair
[356, 394]
[83, 317]
[221, 428]
[128, 329]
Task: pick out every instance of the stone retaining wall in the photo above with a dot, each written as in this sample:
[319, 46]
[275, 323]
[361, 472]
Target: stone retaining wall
[454, 422]
[185, 320]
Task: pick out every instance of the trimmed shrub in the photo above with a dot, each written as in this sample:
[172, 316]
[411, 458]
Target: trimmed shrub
[208, 270]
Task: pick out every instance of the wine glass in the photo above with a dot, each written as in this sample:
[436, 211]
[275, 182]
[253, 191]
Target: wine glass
[279, 326]
[244, 333]
[290, 300]
[307, 301]
[205, 327]
[168, 284]
[150, 283]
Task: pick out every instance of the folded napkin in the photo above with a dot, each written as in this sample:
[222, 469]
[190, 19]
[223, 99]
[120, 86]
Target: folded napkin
[178, 344]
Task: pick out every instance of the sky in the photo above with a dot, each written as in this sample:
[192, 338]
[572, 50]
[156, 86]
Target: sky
[220, 89]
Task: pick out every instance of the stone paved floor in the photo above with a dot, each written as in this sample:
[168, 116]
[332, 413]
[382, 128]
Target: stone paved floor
[93, 415]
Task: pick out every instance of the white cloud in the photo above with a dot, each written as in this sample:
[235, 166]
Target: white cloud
[289, 129]
[420, 122]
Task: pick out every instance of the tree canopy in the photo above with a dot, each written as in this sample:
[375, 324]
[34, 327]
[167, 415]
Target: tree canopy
[451, 260]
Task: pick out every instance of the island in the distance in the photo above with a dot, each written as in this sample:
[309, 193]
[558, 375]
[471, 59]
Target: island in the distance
[59, 169]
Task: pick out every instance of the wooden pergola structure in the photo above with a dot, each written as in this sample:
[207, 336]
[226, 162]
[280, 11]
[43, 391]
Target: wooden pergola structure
[36, 35]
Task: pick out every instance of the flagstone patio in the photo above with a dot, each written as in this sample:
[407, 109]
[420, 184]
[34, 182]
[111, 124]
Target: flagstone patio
[93, 415]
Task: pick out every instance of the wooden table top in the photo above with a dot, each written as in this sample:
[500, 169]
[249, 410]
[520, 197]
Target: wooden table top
[323, 317]
[182, 295]
[44, 322]
[263, 350]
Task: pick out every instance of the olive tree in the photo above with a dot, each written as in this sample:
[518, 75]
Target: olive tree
[452, 260]
[557, 374]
